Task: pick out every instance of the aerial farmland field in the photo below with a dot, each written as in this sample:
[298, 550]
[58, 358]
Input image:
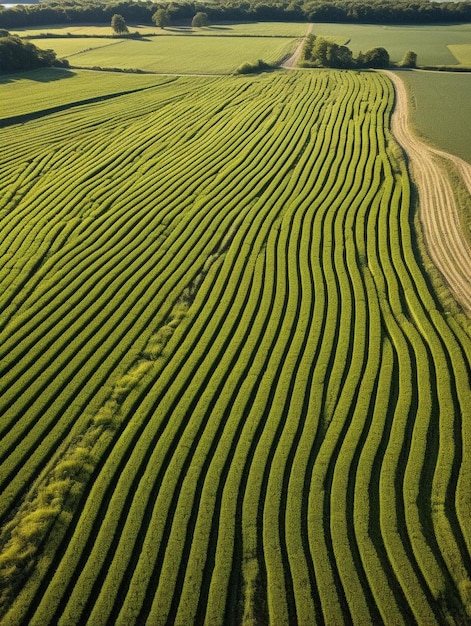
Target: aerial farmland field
[172, 54]
[69, 48]
[249, 29]
[215, 49]
[229, 392]
[39, 90]
[433, 44]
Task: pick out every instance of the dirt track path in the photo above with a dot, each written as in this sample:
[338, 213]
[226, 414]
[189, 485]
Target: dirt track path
[292, 61]
[438, 210]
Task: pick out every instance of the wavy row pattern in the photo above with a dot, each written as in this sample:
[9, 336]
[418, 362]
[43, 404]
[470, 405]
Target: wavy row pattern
[228, 394]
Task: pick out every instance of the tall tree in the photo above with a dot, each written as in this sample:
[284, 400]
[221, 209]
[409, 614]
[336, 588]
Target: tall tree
[118, 24]
[161, 18]
[200, 19]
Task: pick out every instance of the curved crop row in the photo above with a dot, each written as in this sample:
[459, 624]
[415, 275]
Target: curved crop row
[58, 319]
[228, 394]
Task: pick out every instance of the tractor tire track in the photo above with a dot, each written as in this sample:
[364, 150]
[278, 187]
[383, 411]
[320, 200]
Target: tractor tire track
[438, 210]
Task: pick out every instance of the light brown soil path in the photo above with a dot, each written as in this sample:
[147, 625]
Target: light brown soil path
[438, 209]
[292, 61]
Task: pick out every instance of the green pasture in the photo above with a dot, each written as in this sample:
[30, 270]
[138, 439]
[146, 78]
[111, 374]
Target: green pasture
[440, 109]
[430, 42]
[248, 29]
[42, 89]
[257, 29]
[87, 30]
[462, 52]
[434, 44]
[71, 47]
[207, 55]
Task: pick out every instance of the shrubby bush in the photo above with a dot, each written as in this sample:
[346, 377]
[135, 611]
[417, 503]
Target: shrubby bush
[253, 68]
[375, 58]
[409, 60]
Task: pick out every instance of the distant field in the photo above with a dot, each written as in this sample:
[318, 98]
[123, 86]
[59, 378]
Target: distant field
[71, 47]
[462, 52]
[430, 42]
[209, 55]
[434, 44]
[37, 90]
[440, 107]
[65, 29]
[268, 29]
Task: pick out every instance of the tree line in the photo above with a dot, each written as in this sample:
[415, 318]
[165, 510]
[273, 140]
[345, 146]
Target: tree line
[361, 11]
[17, 54]
[321, 52]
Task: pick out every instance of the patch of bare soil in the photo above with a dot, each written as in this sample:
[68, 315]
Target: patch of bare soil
[438, 207]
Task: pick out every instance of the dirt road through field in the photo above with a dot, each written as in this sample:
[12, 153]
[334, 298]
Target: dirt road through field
[292, 61]
[438, 209]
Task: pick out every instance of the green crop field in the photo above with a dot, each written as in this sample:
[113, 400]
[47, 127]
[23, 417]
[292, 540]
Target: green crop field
[40, 90]
[430, 42]
[173, 54]
[228, 392]
[440, 108]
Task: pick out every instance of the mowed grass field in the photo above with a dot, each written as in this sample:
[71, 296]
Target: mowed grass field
[432, 43]
[254, 29]
[215, 49]
[228, 393]
[68, 48]
[440, 105]
[172, 54]
[462, 52]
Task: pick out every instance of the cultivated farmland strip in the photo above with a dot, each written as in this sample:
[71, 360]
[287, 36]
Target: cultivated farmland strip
[228, 393]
